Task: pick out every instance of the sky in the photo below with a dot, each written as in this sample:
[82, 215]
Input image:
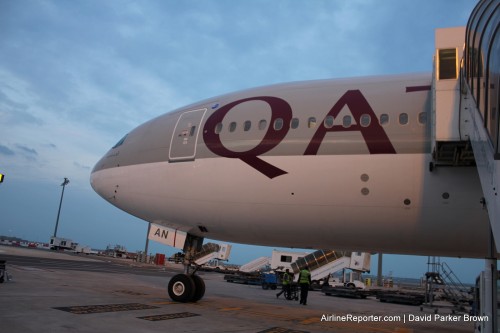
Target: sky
[75, 76]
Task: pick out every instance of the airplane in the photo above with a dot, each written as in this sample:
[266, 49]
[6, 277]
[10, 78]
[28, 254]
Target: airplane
[346, 163]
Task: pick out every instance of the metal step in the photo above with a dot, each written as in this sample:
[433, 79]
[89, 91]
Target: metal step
[453, 153]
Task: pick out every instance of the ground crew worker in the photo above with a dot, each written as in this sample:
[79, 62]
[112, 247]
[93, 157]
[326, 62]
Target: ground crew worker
[304, 282]
[287, 280]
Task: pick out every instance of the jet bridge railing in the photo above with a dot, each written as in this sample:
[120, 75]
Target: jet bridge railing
[481, 66]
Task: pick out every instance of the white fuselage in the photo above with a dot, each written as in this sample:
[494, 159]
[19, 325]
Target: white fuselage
[337, 164]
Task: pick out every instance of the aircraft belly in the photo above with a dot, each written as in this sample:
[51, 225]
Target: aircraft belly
[387, 203]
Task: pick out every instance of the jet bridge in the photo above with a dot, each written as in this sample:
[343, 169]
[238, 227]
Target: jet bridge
[466, 106]
[465, 102]
[479, 81]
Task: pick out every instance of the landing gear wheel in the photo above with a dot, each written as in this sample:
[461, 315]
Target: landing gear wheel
[181, 288]
[199, 286]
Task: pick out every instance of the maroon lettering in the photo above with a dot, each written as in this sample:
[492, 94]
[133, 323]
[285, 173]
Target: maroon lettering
[279, 109]
[418, 88]
[374, 135]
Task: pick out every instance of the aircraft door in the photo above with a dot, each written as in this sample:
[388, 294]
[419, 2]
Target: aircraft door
[185, 136]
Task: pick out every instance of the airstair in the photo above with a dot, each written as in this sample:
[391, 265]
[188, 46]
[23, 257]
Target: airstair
[211, 251]
[441, 278]
[456, 292]
[256, 265]
[322, 263]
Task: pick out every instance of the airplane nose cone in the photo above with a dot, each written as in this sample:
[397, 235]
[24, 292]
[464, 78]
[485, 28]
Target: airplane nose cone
[102, 176]
[98, 183]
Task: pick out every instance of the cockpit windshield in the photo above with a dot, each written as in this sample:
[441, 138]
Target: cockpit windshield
[119, 143]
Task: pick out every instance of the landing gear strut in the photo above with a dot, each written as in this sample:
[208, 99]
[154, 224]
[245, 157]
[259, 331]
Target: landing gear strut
[188, 287]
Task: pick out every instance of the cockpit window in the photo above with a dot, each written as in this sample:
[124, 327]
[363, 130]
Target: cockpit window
[119, 143]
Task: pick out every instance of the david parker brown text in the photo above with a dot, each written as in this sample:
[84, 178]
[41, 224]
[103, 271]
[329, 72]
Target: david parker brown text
[404, 318]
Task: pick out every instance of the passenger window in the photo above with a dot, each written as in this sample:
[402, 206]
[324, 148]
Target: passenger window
[422, 118]
[262, 124]
[218, 128]
[346, 121]
[365, 120]
[247, 125]
[311, 122]
[294, 123]
[384, 119]
[232, 127]
[328, 122]
[403, 118]
[278, 124]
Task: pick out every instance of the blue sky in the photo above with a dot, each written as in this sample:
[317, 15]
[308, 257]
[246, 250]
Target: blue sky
[75, 76]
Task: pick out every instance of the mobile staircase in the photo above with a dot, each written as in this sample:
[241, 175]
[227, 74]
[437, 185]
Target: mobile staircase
[322, 263]
[441, 278]
[256, 265]
[211, 251]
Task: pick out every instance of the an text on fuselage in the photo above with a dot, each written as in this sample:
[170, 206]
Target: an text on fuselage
[374, 135]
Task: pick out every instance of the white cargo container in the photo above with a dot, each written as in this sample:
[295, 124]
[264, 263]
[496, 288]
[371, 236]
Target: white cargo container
[58, 243]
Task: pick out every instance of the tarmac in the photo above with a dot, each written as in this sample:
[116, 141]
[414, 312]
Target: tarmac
[59, 292]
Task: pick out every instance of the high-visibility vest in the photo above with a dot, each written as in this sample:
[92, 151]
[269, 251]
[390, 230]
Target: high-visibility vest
[304, 276]
[286, 279]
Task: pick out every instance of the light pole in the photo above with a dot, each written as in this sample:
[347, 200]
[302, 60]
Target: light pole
[65, 182]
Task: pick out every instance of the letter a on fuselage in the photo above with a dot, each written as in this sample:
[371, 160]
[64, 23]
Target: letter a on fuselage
[374, 135]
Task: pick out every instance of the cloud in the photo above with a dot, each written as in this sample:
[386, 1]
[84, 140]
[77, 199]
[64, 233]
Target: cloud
[80, 166]
[14, 107]
[6, 151]
[27, 150]
[28, 153]
[75, 77]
